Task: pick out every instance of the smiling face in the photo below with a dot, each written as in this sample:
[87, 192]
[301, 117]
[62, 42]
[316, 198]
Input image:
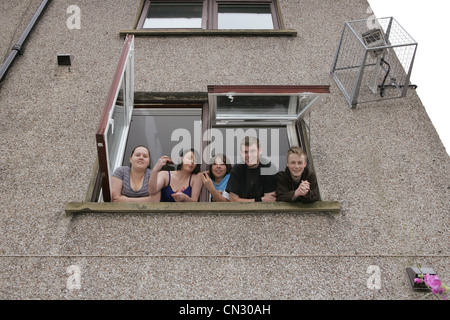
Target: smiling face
[296, 164]
[218, 168]
[140, 159]
[251, 155]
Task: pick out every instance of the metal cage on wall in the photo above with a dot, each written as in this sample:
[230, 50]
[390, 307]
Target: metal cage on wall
[373, 61]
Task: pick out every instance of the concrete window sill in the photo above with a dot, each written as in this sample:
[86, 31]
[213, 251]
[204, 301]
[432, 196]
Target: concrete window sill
[210, 32]
[202, 207]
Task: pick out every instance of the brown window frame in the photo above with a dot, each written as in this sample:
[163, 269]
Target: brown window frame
[273, 8]
[102, 143]
[210, 13]
[146, 7]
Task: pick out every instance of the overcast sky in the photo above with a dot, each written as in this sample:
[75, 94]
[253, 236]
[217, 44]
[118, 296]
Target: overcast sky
[428, 24]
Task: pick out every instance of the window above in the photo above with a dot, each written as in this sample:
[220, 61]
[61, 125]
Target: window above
[174, 15]
[244, 16]
[209, 17]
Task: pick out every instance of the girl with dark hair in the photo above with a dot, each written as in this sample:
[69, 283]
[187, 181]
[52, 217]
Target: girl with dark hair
[131, 183]
[216, 178]
[182, 185]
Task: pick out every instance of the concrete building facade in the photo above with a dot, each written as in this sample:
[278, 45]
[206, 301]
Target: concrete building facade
[382, 162]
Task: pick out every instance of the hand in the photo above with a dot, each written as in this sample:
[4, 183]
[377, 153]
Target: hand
[162, 162]
[207, 182]
[269, 197]
[303, 188]
[179, 196]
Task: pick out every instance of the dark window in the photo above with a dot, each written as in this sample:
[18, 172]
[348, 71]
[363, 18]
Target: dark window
[174, 15]
[210, 14]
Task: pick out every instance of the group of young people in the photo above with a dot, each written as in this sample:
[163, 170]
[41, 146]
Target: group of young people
[250, 181]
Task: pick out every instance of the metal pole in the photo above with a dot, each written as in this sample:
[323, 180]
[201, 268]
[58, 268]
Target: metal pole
[355, 92]
[333, 68]
[408, 76]
[18, 47]
[388, 30]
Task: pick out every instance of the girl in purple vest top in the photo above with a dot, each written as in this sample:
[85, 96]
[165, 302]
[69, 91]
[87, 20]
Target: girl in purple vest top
[182, 185]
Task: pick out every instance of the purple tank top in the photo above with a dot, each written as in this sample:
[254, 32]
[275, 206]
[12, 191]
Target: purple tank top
[166, 192]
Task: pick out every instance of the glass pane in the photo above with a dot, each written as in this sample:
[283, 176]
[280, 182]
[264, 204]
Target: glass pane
[174, 15]
[263, 107]
[244, 16]
[306, 101]
[155, 132]
[115, 132]
[255, 105]
[128, 79]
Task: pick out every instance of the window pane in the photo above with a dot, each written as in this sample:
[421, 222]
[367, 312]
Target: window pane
[281, 107]
[174, 15]
[255, 105]
[243, 16]
[115, 133]
[155, 131]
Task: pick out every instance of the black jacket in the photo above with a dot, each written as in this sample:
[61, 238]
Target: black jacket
[251, 183]
[286, 186]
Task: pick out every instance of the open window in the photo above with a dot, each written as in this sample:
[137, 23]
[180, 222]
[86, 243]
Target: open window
[224, 114]
[115, 122]
[279, 105]
[274, 114]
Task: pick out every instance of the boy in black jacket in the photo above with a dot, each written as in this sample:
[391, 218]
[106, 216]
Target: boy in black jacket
[251, 181]
[297, 183]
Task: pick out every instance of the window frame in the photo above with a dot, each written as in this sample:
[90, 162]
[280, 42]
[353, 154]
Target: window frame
[267, 90]
[146, 7]
[297, 130]
[273, 8]
[210, 14]
[100, 182]
[99, 188]
[124, 74]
